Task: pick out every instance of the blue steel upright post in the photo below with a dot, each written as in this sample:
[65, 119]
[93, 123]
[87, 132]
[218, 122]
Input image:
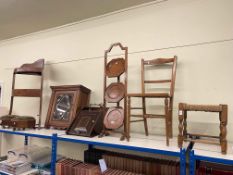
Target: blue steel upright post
[182, 161]
[90, 146]
[191, 163]
[26, 140]
[54, 154]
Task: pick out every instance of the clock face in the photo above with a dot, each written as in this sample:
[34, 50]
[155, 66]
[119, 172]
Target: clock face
[62, 107]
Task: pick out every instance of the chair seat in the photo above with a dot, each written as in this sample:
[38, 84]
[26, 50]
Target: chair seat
[150, 95]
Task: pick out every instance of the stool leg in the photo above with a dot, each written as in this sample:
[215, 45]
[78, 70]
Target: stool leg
[181, 127]
[223, 129]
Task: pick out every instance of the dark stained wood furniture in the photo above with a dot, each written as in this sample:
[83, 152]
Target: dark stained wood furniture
[35, 69]
[115, 90]
[6, 120]
[146, 67]
[18, 122]
[88, 122]
[65, 102]
[23, 122]
[185, 136]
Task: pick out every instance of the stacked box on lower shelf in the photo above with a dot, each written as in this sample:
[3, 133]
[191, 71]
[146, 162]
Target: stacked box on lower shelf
[76, 167]
[22, 160]
[137, 164]
[118, 172]
[204, 167]
[142, 165]
[14, 166]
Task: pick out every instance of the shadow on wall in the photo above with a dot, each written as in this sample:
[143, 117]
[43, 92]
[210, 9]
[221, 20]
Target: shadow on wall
[204, 128]
[3, 110]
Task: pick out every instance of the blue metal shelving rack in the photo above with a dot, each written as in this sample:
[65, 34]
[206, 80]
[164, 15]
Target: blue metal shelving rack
[193, 158]
[56, 136]
[42, 135]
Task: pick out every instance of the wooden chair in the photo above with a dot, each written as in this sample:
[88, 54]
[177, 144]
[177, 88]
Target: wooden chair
[36, 69]
[167, 96]
[202, 138]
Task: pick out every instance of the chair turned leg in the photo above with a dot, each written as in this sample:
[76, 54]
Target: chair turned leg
[185, 124]
[167, 121]
[181, 127]
[144, 116]
[223, 129]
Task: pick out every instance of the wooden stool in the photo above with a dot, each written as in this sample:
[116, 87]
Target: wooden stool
[185, 136]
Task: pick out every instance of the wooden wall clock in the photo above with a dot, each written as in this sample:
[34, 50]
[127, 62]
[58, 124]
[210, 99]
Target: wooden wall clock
[65, 102]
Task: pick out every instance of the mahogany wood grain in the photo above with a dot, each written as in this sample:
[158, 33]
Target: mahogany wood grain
[27, 92]
[80, 99]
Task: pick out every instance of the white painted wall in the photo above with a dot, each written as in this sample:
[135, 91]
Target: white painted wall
[199, 32]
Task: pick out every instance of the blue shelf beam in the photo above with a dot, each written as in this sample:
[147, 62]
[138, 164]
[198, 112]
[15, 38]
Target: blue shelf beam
[25, 134]
[133, 148]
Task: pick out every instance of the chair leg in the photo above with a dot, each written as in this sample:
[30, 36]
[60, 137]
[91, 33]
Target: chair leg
[124, 133]
[167, 121]
[128, 118]
[144, 116]
[170, 118]
[12, 95]
[185, 125]
[41, 99]
[11, 105]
